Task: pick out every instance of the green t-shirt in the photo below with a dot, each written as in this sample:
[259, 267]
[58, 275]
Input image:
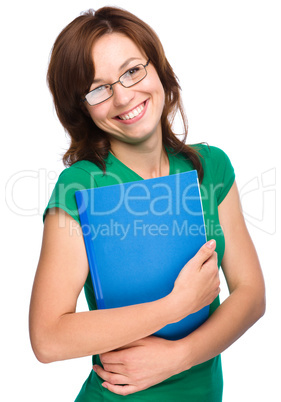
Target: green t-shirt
[204, 382]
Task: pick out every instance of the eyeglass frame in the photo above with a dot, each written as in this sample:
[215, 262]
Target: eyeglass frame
[116, 82]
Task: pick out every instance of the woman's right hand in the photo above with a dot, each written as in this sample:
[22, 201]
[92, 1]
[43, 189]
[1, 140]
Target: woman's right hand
[197, 285]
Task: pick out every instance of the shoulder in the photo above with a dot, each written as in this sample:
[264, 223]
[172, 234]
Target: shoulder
[79, 176]
[82, 170]
[210, 153]
[213, 158]
[218, 169]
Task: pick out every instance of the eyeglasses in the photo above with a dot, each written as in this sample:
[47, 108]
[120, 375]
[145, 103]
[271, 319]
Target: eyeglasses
[128, 79]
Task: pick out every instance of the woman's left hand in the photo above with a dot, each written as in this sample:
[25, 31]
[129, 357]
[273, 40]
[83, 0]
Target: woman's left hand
[140, 365]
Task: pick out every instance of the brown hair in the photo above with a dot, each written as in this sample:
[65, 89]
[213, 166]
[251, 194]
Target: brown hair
[71, 72]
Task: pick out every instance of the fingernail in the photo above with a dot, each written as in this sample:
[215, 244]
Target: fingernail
[104, 385]
[211, 244]
[95, 368]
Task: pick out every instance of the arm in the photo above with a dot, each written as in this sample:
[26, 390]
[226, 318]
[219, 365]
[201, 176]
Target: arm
[138, 365]
[246, 303]
[57, 332]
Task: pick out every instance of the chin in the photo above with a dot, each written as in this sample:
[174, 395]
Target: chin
[133, 139]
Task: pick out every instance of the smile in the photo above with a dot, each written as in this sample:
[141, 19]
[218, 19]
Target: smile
[134, 114]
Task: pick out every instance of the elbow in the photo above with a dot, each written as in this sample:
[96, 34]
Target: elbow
[42, 347]
[43, 356]
[260, 306]
[42, 353]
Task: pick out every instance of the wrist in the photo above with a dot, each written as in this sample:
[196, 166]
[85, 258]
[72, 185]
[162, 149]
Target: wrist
[174, 309]
[183, 351]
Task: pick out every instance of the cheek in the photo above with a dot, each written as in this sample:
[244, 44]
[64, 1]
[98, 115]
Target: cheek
[98, 114]
[158, 93]
[157, 90]
[153, 82]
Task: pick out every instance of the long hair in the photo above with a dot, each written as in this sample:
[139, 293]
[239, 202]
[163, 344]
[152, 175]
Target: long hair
[71, 72]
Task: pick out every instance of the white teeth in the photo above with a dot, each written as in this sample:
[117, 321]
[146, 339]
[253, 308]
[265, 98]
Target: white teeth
[133, 113]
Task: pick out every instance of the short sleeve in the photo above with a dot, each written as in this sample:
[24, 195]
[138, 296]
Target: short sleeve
[222, 172]
[70, 180]
[218, 170]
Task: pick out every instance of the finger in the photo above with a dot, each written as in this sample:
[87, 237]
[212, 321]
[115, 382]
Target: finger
[120, 389]
[109, 377]
[115, 368]
[119, 356]
[213, 259]
[205, 252]
[111, 357]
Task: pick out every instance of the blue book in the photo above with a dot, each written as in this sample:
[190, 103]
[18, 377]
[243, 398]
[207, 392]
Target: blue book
[138, 237]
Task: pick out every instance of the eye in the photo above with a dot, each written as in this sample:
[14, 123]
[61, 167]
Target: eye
[98, 94]
[101, 88]
[133, 71]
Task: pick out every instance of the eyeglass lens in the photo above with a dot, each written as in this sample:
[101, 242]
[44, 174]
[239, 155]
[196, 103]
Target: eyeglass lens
[128, 79]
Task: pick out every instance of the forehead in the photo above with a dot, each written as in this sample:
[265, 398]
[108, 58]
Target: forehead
[112, 50]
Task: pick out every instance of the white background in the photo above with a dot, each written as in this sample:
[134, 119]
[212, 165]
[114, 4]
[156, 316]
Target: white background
[227, 57]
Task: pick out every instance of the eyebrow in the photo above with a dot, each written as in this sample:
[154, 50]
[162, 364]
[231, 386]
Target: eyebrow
[124, 65]
[128, 61]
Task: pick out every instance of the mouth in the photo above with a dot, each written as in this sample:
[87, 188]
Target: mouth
[133, 114]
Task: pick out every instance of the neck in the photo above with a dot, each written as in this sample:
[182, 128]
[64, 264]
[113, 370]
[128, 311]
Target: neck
[147, 160]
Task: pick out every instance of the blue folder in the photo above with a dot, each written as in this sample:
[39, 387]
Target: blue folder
[138, 236]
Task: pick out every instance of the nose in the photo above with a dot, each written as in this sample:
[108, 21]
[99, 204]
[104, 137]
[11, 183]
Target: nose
[121, 95]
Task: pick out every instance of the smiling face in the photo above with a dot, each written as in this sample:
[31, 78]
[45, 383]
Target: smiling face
[132, 115]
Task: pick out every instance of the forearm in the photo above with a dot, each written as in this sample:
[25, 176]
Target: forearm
[58, 333]
[94, 332]
[235, 315]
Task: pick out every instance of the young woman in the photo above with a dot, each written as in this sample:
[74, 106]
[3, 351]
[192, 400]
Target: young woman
[116, 95]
